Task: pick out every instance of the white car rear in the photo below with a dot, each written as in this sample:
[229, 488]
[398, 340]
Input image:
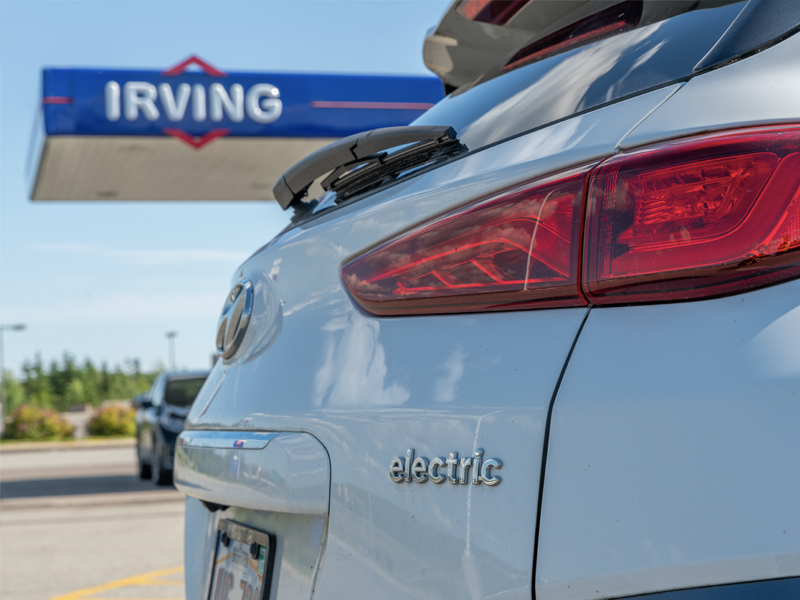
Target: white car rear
[399, 413]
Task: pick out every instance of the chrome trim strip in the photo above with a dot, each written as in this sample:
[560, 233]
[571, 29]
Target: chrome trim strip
[288, 474]
[244, 440]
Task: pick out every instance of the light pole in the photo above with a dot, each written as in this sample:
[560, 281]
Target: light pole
[171, 335]
[9, 327]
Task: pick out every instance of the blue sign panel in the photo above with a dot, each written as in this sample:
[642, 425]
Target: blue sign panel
[198, 106]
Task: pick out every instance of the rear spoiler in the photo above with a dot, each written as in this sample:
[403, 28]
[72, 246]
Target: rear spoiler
[476, 37]
[460, 48]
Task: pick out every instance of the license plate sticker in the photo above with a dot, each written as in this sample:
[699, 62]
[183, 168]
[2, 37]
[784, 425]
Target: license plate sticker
[243, 563]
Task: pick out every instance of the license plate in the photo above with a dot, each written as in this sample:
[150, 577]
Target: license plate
[242, 568]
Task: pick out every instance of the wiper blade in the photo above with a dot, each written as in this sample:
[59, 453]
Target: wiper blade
[359, 159]
[389, 167]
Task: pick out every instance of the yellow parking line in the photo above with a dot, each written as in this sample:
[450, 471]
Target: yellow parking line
[145, 579]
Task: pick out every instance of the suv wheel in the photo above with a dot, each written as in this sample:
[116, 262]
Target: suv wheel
[161, 476]
[145, 472]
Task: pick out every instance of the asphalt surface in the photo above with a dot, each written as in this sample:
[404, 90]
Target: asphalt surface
[77, 523]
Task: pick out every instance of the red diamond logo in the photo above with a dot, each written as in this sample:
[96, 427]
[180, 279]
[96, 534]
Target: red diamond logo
[181, 67]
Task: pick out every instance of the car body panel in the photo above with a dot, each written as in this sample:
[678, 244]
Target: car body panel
[672, 460]
[673, 456]
[760, 90]
[384, 387]
[369, 389]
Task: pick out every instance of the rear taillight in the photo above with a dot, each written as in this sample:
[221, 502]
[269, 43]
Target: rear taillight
[709, 216]
[515, 250]
[696, 218]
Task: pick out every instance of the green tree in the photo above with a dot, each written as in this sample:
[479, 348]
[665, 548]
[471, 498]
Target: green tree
[67, 383]
[36, 383]
[90, 379]
[13, 392]
[61, 376]
[104, 387]
[74, 396]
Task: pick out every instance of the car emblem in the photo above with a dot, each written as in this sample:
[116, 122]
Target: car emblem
[467, 470]
[234, 319]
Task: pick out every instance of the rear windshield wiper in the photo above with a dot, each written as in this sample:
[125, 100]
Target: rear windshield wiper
[358, 162]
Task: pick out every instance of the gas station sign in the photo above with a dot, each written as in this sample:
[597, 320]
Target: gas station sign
[182, 134]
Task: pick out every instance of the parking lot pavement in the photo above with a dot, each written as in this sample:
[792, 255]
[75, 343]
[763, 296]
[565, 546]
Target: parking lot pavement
[77, 523]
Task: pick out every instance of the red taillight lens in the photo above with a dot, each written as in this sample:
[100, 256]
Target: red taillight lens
[695, 218]
[504, 253]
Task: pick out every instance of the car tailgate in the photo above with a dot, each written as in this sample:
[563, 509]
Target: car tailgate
[374, 389]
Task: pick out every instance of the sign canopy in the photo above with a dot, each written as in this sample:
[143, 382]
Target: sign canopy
[193, 132]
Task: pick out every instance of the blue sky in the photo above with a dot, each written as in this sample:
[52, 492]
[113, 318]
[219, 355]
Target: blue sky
[106, 280]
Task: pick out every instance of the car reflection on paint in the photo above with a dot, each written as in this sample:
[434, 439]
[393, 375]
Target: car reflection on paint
[160, 417]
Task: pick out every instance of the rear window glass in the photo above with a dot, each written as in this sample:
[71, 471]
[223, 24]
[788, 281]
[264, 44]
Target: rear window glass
[532, 94]
[182, 392]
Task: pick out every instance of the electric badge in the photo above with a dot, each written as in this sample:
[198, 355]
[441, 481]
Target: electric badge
[459, 471]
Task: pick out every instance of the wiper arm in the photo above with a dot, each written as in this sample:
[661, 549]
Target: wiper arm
[347, 154]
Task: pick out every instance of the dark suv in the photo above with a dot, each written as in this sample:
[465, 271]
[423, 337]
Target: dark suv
[159, 419]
